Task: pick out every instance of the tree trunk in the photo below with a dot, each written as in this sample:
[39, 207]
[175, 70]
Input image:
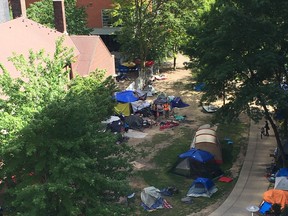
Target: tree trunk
[277, 136]
[174, 62]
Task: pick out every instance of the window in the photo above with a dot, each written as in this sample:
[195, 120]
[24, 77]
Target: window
[107, 18]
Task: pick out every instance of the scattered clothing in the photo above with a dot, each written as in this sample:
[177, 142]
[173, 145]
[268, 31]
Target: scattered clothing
[168, 124]
[187, 200]
[169, 191]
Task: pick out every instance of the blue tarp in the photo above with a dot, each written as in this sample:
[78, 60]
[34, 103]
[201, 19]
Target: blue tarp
[124, 69]
[126, 96]
[282, 172]
[265, 207]
[177, 102]
[197, 154]
[199, 87]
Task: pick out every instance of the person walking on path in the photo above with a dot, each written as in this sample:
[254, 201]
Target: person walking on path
[266, 128]
[262, 132]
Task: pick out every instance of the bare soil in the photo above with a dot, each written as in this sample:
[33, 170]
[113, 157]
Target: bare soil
[175, 84]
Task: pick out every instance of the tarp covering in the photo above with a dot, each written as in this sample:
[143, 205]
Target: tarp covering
[264, 207]
[126, 96]
[206, 139]
[276, 196]
[202, 187]
[177, 102]
[139, 105]
[134, 122]
[198, 155]
[116, 126]
[123, 108]
[150, 195]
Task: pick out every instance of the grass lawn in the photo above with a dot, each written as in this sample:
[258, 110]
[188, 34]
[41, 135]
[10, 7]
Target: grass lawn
[160, 177]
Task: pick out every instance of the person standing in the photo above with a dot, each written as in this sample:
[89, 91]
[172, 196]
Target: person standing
[166, 108]
[266, 126]
[262, 132]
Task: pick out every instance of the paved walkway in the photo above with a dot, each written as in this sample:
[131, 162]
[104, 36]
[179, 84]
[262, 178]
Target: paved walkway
[251, 183]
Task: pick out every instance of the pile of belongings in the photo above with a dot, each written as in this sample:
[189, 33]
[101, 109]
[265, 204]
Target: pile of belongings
[129, 102]
[116, 126]
[169, 191]
[273, 196]
[134, 122]
[152, 200]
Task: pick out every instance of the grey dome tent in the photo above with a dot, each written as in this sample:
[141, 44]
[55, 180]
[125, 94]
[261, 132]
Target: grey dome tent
[281, 183]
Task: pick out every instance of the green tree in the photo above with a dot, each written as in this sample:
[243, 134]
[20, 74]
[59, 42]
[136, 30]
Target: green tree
[76, 17]
[57, 160]
[239, 51]
[150, 30]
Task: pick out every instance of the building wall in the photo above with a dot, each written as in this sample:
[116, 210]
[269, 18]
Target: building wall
[93, 10]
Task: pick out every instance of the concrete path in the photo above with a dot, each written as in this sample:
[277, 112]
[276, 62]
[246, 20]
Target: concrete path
[251, 183]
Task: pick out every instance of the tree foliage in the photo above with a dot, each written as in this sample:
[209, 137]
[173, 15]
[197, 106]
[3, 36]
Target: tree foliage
[150, 30]
[239, 51]
[76, 17]
[57, 160]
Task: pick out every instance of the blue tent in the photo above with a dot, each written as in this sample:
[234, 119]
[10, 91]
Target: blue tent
[196, 163]
[197, 154]
[202, 187]
[282, 172]
[177, 102]
[126, 96]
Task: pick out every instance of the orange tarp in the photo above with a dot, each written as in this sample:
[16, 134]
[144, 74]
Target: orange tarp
[276, 196]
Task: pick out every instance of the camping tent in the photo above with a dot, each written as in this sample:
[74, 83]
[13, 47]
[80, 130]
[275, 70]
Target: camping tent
[139, 105]
[196, 163]
[130, 102]
[198, 155]
[276, 196]
[281, 183]
[202, 187]
[124, 98]
[206, 139]
[282, 172]
[150, 195]
[152, 200]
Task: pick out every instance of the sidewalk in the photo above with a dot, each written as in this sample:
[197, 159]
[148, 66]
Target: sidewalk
[251, 183]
